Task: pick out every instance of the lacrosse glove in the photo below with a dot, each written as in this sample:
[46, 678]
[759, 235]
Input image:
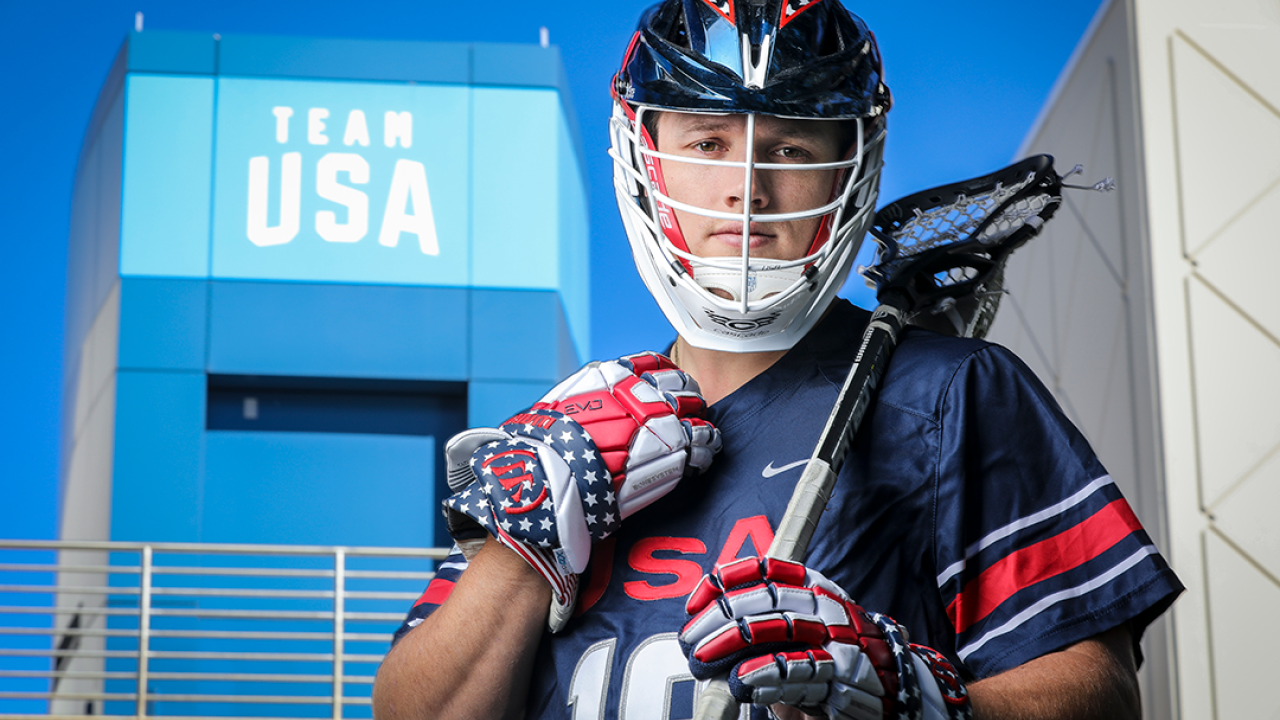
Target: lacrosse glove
[787, 634]
[551, 481]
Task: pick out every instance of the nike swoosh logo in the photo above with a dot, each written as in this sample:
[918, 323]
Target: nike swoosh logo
[769, 470]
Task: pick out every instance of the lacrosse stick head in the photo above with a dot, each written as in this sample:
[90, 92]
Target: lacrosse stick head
[942, 251]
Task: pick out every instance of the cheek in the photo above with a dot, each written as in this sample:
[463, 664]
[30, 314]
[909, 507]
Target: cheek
[811, 189]
[692, 184]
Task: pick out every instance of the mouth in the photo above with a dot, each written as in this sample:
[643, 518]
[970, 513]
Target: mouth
[731, 234]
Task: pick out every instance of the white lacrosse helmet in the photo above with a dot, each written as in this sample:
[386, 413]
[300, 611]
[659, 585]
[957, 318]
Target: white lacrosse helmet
[789, 59]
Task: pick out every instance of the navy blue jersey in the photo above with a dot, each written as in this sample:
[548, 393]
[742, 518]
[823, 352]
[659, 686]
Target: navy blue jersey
[969, 509]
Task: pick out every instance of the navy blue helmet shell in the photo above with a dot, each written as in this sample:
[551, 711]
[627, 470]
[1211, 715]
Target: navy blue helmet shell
[789, 58]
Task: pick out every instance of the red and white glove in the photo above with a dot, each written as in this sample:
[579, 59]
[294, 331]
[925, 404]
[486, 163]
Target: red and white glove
[786, 634]
[551, 481]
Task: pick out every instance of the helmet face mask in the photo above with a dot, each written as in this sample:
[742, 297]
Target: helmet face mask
[801, 207]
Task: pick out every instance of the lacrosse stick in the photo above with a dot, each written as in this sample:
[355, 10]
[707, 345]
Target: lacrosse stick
[942, 254]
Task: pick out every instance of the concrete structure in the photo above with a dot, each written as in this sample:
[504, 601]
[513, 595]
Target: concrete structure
[1151, 315]
[297, 266]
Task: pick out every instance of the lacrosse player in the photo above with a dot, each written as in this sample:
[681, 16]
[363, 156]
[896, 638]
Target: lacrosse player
[975, 558]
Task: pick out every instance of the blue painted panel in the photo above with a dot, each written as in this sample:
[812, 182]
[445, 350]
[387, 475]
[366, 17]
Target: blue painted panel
[489, 402]
[314, 182]
[163, 323]
[387, 60]
[172, 52]
[510, 65]
[515, 187]
[517, 66]
[366, 331]
[517, 335]
[168, 148]
[158, 463]
[319, 488]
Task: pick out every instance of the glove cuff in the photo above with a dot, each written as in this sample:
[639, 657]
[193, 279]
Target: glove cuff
[564, 586]
[929, 687]
[946, 698]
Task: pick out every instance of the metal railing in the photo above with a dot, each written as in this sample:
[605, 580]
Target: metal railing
[174, 630]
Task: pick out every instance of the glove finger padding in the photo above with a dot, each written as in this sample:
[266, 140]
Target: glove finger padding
[465, 531]
[458, 452]
[553, 480]
[787, 634]
[644, 416]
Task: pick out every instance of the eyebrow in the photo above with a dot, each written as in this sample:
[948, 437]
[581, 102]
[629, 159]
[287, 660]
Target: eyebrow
[705, 124]
[797, 129]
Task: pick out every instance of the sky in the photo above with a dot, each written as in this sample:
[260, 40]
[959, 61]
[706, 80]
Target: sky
[968, 79]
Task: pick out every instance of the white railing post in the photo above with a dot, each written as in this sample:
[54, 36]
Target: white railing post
[339, 626]
[144, 629]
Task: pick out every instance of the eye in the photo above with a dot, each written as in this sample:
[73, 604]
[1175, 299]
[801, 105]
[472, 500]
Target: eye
[791, 152]
[707, 146]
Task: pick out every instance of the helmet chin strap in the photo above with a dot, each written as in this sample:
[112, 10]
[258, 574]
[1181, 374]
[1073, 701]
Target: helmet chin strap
[760, 284]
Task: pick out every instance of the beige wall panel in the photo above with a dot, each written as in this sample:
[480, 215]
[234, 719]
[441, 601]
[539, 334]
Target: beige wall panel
[1228, 143]
[1247, 514]
[1241, 35]
[1237, 391]
[1239, 261]
[1208, 92]
[1245, 631]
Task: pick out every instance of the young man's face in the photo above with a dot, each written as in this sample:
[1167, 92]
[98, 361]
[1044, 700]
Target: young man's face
[721, 188]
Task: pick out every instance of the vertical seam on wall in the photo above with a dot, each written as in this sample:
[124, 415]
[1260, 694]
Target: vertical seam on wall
[1208, 622]
[1201, 500]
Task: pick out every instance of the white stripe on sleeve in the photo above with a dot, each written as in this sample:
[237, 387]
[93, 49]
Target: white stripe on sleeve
[1050, 600]
[996, 535]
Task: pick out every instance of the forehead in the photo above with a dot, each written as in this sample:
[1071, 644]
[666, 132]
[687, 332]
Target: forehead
[670, 122]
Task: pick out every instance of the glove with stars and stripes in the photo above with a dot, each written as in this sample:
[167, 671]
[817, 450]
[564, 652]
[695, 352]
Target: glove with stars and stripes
[786, 634]
[551, 481]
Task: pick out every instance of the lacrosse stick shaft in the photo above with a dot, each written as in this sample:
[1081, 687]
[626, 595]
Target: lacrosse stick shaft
[814, 487]
[819, 478]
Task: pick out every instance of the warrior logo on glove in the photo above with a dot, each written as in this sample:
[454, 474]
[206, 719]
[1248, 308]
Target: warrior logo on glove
[516, 475]
[608, 441]
[547, 451]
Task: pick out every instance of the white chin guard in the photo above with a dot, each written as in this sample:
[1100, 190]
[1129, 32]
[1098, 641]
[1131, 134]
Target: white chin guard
[760, 284]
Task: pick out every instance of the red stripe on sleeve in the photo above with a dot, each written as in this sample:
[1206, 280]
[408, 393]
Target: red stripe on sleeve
[436, 593]
[1051, 556]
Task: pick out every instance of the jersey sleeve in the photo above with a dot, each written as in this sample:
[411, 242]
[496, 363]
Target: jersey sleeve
[1035, 545]
[437, 592]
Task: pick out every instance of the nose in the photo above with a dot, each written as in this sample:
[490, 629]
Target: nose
[743, 181]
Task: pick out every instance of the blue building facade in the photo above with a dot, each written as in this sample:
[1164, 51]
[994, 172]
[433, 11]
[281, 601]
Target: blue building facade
[298, 266]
